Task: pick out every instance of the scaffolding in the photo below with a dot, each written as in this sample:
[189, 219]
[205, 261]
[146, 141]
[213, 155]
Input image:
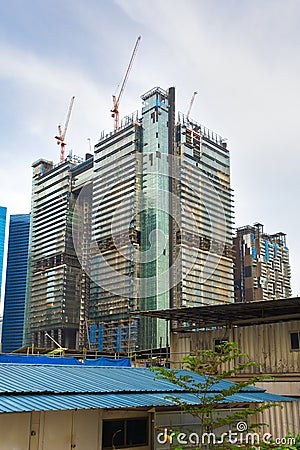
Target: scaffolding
[58, 289]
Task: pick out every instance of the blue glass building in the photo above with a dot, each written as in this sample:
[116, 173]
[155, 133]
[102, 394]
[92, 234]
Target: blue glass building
[2, 239]
[15, 287]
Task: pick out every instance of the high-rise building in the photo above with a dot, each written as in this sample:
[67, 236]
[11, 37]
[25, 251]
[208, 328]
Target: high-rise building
[262, 269]
[15, 286]
[2, 240]
[152, 229]
[162, 221]
[57, 287]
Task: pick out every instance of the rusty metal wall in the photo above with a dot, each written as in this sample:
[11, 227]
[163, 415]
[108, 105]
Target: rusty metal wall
[281, 420]
[267, 344]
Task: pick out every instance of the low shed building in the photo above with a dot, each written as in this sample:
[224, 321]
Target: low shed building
[46, 407]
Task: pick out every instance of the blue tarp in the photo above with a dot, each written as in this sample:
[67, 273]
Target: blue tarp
[100, 337]
[93, 330]
[124, 362]
[35, 359]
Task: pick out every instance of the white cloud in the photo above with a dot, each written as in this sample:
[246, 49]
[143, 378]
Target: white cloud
[40, 91]
[44, 89]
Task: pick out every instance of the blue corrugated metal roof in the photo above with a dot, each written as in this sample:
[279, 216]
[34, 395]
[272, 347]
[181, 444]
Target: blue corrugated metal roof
[68, 379]
[37, 387]
[80, 379]
[48, 402]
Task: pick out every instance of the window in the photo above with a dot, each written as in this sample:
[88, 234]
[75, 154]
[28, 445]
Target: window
[248, 271]
[122, 433]
[295, 340]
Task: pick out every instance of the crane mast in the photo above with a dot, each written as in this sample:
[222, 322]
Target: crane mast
[191, 104]
[117, 98]
[62, 132]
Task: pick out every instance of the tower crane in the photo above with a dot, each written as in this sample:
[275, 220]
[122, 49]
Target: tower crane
[117, 98]
[62, 133]
[191, 104]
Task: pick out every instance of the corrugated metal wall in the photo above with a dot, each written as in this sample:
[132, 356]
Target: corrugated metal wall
[281, 420]
[267, 344]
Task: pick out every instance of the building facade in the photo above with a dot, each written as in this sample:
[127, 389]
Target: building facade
[15, 286]
[162, 222]
[146, 225]
[57, 287]
[262, 269]
[2, 240]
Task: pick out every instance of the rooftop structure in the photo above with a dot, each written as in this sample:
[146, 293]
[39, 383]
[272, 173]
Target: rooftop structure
[234, 314]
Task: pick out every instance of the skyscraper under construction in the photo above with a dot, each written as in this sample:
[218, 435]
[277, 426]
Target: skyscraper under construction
[162, 221]
[57, 287]
[153, 230]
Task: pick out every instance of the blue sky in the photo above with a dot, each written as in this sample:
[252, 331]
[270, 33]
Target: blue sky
[242, 57]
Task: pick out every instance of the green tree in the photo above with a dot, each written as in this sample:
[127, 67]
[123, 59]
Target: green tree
[210, 391]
